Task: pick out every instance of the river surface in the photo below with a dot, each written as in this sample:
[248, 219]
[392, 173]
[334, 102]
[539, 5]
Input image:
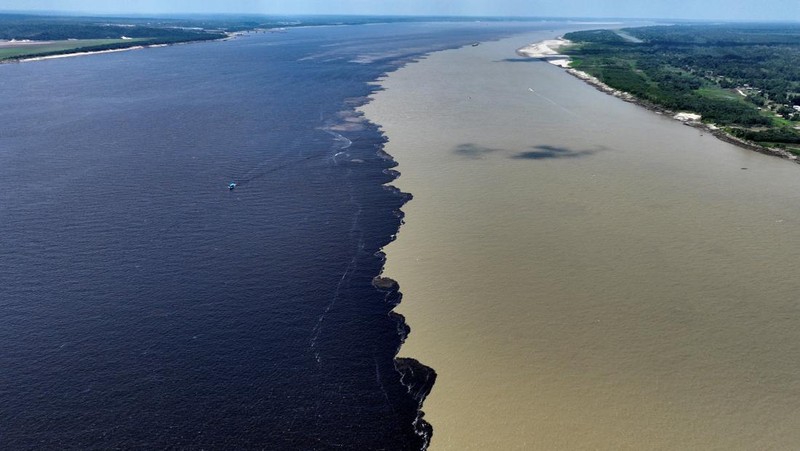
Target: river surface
[583, 273]
[143, 305]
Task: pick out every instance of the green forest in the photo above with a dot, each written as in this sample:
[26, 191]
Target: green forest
[29, 36]
[742, 77]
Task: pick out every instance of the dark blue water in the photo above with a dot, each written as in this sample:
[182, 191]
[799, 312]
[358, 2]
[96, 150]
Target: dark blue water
[143, 305]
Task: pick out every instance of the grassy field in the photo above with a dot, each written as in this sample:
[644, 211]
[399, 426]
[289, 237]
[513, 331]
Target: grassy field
[10, 50]
[713, 92]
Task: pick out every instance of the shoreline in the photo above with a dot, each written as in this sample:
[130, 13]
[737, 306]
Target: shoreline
[74, 54]
[547, 50]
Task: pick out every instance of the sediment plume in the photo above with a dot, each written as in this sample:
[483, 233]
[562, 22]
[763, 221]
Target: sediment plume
[416, 377]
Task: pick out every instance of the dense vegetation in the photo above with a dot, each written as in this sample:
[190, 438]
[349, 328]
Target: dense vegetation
[745, 77]
[48, 29]
[65, 34]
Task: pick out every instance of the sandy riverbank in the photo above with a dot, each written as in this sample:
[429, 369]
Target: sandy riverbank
[582, 274]
[547, 50]
[74, 54]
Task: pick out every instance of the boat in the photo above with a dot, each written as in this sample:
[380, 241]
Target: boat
[475, 44]
[232, 185]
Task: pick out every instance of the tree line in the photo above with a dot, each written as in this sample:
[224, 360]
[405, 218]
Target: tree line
[738, 75]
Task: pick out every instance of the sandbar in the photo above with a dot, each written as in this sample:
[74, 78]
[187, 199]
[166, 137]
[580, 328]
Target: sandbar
[547, 50]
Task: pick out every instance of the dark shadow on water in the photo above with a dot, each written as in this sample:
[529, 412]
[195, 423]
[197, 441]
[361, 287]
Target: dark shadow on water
[473, 151]
[533, 59]
[545, 152]
[519, 60]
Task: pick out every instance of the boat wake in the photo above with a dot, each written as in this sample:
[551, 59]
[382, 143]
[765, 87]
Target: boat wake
[341, 143]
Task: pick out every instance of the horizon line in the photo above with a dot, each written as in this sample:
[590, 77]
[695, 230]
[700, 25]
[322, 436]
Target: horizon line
[178, 15]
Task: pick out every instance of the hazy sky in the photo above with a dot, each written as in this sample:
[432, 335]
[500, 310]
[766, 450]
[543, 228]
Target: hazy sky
[668, 9]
